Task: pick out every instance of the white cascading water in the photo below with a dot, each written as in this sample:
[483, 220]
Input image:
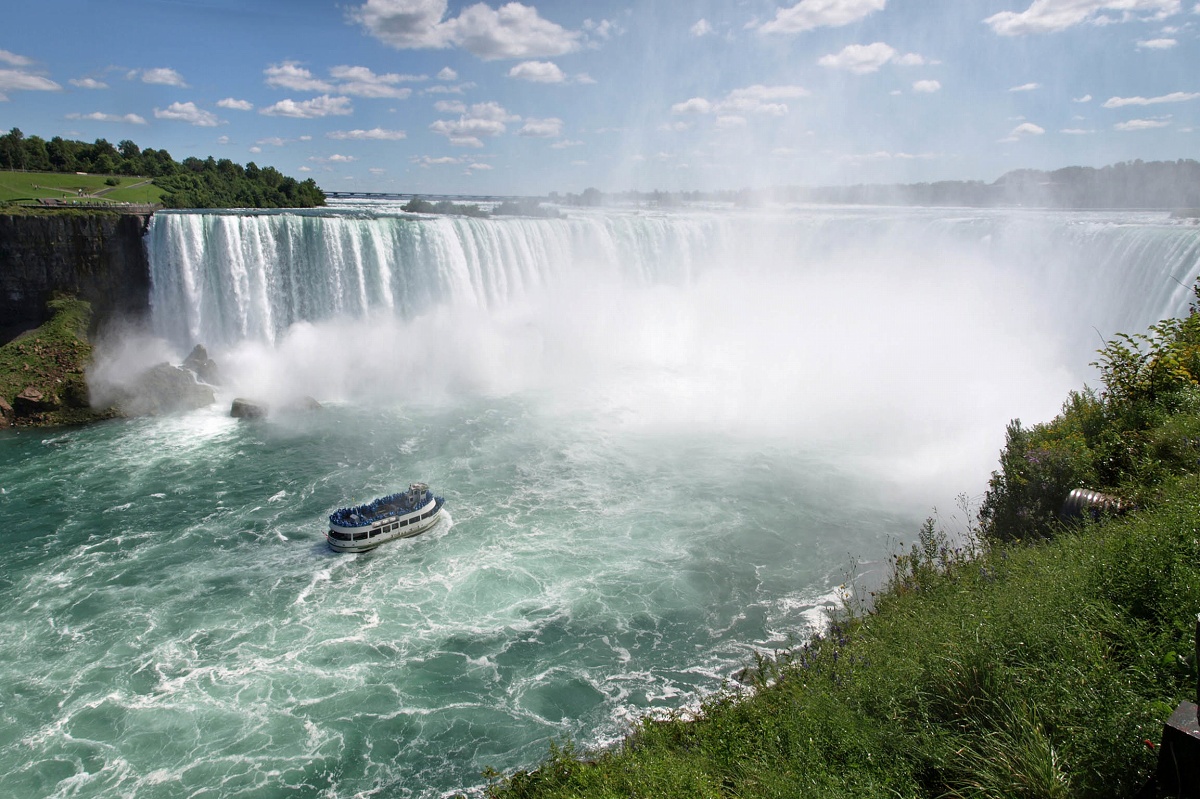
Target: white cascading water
[225, 278]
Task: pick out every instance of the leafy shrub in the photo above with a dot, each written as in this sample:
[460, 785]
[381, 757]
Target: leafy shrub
[1125, 439]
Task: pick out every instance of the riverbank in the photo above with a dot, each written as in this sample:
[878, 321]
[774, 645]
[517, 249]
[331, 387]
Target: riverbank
[43, 371]
[1041, 658]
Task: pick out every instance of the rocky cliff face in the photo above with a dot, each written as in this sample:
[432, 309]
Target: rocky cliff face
[97, 256]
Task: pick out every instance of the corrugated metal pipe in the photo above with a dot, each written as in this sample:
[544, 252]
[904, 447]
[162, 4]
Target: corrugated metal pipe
[1095, 503]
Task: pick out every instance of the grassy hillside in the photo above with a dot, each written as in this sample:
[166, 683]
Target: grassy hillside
[53, 360]
[18, 186]
[1039, 660]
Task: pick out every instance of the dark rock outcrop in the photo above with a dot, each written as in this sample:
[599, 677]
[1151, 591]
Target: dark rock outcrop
[97, 256]
[6, 414]
[243, 408]
[32, 401]
[202, 366]
[164, 389]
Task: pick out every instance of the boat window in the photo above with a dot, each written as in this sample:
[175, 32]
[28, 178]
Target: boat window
[334, 534]
[359, 536]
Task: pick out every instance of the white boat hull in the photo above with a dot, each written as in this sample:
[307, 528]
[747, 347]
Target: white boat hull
[367, 537]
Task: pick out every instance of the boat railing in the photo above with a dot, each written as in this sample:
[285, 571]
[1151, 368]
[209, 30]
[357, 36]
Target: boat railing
[366, 515]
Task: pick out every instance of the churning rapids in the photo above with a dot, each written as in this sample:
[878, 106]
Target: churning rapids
[663, 439]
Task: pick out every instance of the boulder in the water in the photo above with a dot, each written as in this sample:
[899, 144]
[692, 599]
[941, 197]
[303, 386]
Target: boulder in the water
[202, 366]
[6, 413]
[243, 408]
[164, 389]
[305, 403]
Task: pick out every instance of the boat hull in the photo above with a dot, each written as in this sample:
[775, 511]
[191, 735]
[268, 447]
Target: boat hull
[366, 538]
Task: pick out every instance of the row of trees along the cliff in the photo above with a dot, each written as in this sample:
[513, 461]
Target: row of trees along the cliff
[192, 183]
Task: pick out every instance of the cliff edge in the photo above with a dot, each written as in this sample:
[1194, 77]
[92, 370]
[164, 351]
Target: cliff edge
[97, 256]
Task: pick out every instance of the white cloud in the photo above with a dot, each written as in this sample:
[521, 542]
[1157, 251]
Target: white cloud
[20, 80]
[428, 161]
[334, 159]
[1173, 97]
[447, 74]
[450, 107]
[538, 72]
[96, 116]
[315, 108]
[256, 149]
[927, 86]
[604, 29]
[189, 113]
[756, 99]
[701, 28]
[1087, 98]
[223, 140]
[1022, 130]
[1052, 16]
[88, 83]
[730, 121]
[696, 105]
[1026, 87]
[549, 128]
[290, 75]
[480, 167]
[481, 119]
[14, 59]
[1142, 124]
[860, 58]
[1076, 131]
[376, 170]
[585, 79]
[512, 31]
[161, 76]
[362, 82]
[912, 60]
[235, 105]
[884, 155]
[274, 141]
[374, 134]
[563, 144]
[809, 14]
[1157, 44]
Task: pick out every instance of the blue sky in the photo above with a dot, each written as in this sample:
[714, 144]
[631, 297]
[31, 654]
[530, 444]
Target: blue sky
[488, 97]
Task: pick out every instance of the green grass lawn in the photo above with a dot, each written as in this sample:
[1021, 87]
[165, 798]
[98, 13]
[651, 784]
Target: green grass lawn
[30, 186]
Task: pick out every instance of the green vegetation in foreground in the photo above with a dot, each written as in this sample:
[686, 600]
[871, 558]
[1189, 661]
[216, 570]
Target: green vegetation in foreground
[1039, 661]
[52, 170]
[51, 359]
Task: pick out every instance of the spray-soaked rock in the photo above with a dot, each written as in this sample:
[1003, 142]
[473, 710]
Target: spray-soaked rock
[202, 366]
[164, 389]
[243, 408]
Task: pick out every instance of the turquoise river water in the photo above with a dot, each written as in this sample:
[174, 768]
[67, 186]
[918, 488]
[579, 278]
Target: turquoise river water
[664, 440]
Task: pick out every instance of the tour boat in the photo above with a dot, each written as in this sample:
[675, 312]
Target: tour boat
[401, 515]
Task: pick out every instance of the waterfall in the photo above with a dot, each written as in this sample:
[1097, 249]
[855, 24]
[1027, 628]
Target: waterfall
[223, 278]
